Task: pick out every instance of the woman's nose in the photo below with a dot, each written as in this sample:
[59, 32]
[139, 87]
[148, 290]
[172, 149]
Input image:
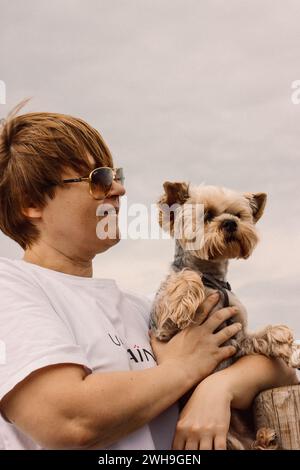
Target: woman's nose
[117, 189]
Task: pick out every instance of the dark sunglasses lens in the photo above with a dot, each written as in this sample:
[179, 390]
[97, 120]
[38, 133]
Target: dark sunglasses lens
[120, 176]
[101, 181]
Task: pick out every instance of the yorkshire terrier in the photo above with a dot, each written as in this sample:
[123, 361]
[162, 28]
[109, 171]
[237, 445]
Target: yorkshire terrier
[228, 231]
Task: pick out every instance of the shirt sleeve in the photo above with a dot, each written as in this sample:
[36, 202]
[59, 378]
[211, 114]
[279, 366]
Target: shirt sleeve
[32, 335]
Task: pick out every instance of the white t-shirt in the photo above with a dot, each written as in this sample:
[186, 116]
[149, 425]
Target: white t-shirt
[48, 317]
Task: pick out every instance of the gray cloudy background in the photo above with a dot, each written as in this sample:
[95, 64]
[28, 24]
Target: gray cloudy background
[184, 90]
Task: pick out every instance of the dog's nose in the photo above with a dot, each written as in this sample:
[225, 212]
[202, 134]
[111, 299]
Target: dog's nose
[229, 225]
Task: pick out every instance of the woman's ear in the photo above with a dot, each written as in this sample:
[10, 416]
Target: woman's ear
[257, 202]
[32, 212]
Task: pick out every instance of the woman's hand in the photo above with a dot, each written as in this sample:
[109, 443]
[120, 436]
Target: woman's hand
[204, 421]
[198, 349]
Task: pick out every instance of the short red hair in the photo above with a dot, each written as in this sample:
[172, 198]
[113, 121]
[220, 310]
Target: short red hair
[35, 149]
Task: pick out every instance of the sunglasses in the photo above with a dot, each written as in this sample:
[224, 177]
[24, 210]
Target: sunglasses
[100, 180]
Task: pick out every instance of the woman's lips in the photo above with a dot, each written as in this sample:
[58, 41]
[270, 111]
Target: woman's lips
[113, 211]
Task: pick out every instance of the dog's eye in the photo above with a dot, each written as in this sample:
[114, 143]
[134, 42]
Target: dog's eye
[239, 215]
[208, 216]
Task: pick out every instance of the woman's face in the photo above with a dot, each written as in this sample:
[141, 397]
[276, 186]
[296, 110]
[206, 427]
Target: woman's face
[68, 223]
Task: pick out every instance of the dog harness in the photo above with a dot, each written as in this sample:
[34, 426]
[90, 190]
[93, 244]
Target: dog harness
[210, 281]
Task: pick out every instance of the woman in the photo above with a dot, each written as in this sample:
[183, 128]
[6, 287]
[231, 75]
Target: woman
[80, 372]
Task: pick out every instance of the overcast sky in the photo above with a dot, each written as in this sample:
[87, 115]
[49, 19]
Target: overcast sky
[181, 90]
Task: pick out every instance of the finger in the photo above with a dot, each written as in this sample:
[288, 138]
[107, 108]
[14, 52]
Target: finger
[155, 341]
[206, 307]
[225, 352]
[157, 346]
[178, 442]
[209, 303]
[228, 332]
[200, 318]
[206, 443]
[220, 442]
[217, 318]
[191, 444]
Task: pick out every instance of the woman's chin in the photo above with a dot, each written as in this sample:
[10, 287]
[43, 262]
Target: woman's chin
[106, 243]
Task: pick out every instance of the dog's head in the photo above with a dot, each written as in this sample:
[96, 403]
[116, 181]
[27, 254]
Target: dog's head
[211, 222]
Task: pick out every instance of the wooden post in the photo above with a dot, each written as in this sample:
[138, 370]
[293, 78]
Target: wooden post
[279, 409]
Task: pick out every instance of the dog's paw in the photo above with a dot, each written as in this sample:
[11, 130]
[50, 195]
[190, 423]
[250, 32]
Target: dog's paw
[280, 334]
[294, 360]
[265, 440]
[280, 342]
[273, 341]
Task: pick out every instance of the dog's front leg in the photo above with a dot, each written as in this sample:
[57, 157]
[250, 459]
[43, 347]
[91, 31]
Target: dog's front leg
[272, 341]
[176, 303]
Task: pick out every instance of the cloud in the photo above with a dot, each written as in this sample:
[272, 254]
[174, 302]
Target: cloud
[182, 90]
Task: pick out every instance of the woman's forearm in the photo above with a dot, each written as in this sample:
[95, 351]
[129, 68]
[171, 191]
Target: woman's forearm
[205, 420]
[133, 399]
[253, 374]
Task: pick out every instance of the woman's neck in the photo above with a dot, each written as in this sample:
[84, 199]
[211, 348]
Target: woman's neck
[50, 257]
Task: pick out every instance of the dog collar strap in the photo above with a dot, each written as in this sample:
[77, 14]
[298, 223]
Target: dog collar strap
[223, 286]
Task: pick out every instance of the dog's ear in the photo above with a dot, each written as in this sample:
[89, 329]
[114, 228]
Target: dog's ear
[175, 194]
[257, 202]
